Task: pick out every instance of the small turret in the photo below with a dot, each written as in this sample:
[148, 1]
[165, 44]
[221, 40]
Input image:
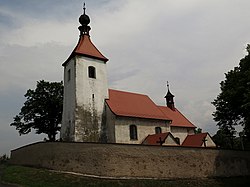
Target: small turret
[169, 99]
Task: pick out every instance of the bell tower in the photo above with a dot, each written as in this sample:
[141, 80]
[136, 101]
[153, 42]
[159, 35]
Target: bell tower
[169, 99]
[85, 89]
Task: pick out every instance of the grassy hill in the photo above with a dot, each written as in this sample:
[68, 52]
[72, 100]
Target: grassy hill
[32, 177]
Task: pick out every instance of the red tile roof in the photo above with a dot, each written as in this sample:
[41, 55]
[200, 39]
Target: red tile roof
[137, 105]
[133, 105]
[154, 138]
[194, 140]
[178, 119]
[86, 48]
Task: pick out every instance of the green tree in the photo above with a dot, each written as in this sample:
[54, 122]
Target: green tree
[228, 141]
[42, 110]
[223, 140]
[233, 103]
[197, 131]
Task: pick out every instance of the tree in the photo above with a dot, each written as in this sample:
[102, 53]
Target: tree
[233, 103]
[42, 110]
[197, 131]
[223, 140]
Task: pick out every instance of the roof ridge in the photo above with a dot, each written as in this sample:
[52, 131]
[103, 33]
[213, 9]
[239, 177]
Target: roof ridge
[203, 133]
[128, 92]
[158, 133]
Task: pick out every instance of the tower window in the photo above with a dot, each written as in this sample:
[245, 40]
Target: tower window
[133, 132]
[157, 130]
[69, 75]
[92, 73]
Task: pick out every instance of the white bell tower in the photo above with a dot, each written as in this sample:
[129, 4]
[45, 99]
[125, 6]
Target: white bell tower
[85, 89]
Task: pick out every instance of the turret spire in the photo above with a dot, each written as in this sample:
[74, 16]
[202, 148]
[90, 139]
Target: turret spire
[169, 98]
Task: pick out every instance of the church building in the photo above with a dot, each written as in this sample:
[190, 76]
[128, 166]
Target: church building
[94, 113]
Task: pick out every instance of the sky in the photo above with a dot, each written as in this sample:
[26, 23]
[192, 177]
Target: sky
[190, 43]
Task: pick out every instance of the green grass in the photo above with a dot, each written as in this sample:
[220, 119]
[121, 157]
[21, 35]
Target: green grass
[32, 177]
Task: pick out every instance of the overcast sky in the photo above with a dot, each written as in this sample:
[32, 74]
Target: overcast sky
[190, 43]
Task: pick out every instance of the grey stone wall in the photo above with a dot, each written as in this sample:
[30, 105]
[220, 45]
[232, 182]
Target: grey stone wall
[133, 161]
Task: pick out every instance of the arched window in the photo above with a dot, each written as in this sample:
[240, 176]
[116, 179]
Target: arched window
[133, 132]
[157, 130]
[92, 73]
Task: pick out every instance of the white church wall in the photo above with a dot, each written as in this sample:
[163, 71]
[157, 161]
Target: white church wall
[68, 119]
[90, 96]
[144, 128]
[86, 86]
[180, 132]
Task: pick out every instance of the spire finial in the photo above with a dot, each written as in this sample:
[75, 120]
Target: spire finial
[84, 8]
[84, 21]
[167, 85]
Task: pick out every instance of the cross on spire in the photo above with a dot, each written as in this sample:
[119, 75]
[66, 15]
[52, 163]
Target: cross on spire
[84, 8]
[167, 85]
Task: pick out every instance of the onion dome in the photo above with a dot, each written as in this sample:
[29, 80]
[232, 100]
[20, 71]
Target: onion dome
[84, 21]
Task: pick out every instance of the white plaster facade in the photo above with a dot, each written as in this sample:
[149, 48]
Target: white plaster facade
[84, 99]
[181, 132]
[69, 102]
[118, 129]
[144, 128]
[86, 87]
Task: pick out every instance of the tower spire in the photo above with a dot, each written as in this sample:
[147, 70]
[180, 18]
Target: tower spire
[169, 98]
[84, 21]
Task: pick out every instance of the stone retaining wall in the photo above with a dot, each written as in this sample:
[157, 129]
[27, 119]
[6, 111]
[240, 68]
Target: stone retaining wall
[133, 161]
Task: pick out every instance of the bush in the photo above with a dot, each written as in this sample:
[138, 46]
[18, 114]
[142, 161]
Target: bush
[4, 159]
